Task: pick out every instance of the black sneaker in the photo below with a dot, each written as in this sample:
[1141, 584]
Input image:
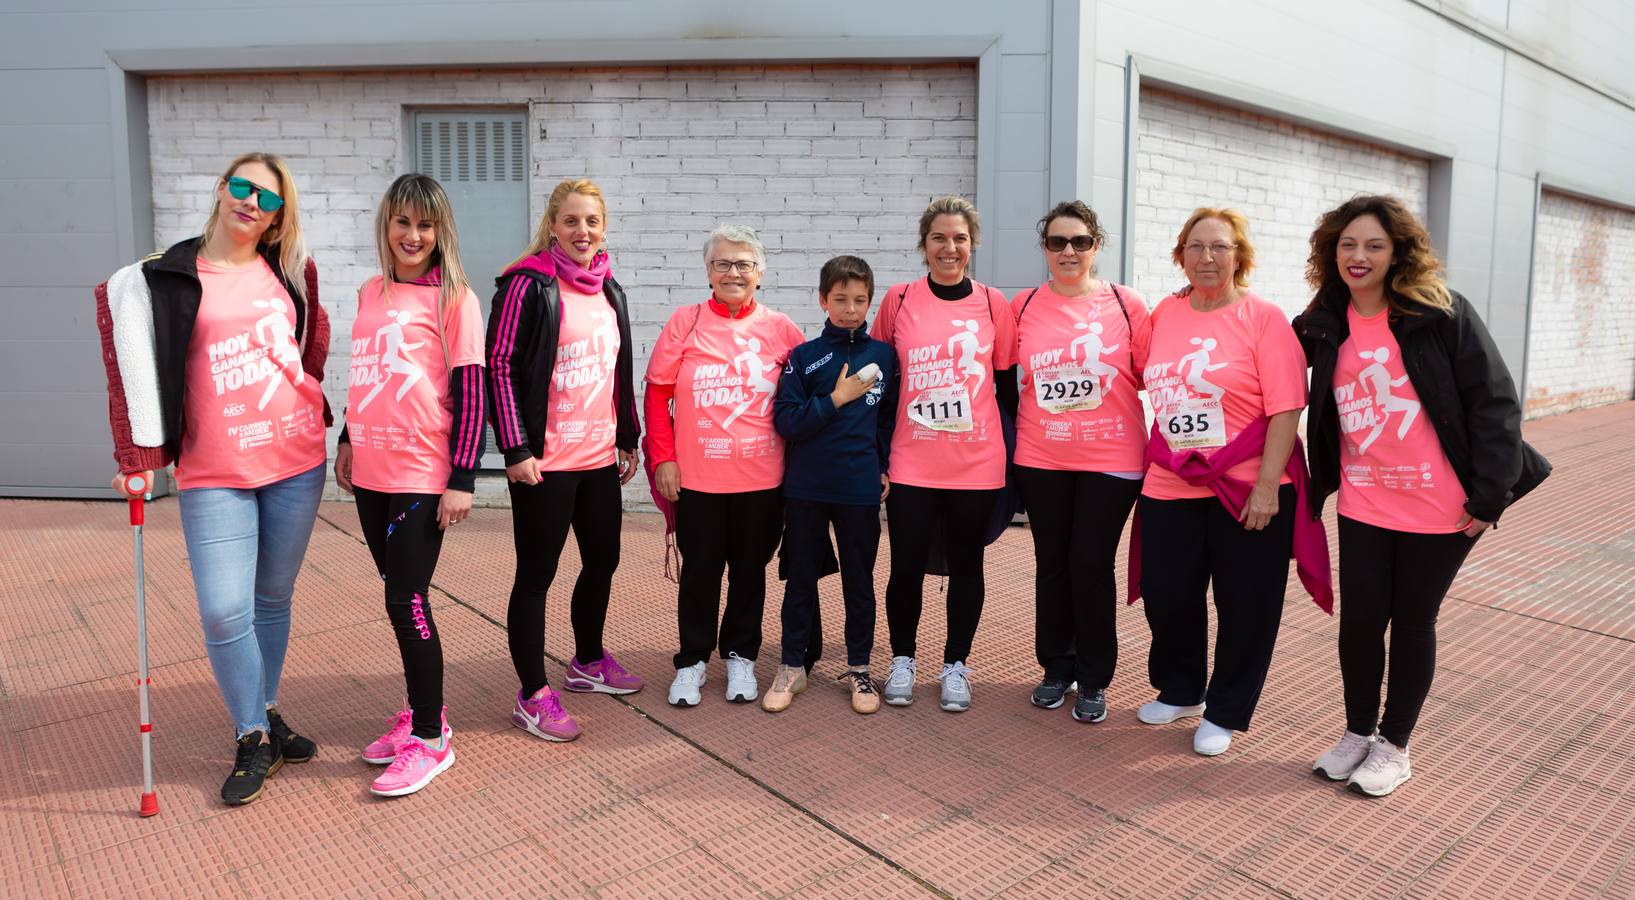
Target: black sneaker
[294, 748]
[1090, 708]
[1051, 692]
[253, 762]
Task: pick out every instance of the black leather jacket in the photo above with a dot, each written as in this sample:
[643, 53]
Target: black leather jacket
[1466, 391]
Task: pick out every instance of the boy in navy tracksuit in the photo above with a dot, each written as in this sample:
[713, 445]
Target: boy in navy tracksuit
[836, 415]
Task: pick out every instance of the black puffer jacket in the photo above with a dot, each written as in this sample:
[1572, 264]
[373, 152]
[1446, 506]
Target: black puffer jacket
[1466, 390]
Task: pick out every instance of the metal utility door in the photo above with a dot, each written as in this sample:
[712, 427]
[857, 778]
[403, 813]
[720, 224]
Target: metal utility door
[481, 159]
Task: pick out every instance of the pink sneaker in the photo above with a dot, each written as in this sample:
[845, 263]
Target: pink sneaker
[384, 749]
[542, 716]
[604, 676]
[415, 765]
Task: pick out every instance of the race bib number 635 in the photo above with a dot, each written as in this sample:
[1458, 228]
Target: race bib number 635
[1194, 425]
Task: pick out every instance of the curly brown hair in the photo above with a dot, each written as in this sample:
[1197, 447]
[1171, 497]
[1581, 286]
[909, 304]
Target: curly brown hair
[1414, 281]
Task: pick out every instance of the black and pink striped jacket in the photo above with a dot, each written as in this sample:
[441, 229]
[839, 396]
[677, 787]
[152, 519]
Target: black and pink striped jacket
[522, 343]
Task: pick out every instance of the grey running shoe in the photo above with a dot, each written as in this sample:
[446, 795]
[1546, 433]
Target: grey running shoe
[899, 689]
[956, 687]
[1344, 758]
[1385, 769]
[1051, 692]
[1090, 707]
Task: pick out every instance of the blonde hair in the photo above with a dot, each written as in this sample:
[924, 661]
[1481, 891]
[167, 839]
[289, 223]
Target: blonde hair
[1415, 277]
[1244, 251]
[285, 231]
[543, 237]
[422, 194]
[951, 205]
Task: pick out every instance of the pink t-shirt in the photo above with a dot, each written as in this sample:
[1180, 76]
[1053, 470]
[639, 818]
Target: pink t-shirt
[1080, 407]
[1212, 373]
[948, 433]
[725, 373]
[253, 415]
[1393, 473]
[582, 422]
[399, 411]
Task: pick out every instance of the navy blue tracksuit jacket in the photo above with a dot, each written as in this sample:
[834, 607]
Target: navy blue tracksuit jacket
[836, 456]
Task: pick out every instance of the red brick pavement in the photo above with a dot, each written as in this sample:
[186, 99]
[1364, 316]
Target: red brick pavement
[1523, 763]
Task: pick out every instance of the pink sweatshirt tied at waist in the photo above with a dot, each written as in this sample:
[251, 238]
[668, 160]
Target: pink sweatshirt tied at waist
[1310, 547]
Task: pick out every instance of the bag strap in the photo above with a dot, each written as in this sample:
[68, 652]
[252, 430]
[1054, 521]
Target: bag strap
[1129, 343]
[1025, 301]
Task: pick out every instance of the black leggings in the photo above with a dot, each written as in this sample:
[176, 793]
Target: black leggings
[963, 516]
[1187, 546]
[1393, 578]
[540, 516]
[1076, 519]
[403, 537]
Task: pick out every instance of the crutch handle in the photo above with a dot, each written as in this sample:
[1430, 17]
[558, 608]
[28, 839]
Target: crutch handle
[136, 485]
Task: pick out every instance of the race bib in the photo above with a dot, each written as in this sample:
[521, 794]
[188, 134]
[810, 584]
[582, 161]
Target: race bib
[943, 408]
[1196, 424]
[1065, 389]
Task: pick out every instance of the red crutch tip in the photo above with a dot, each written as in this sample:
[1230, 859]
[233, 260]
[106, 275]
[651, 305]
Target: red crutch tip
[150, 805]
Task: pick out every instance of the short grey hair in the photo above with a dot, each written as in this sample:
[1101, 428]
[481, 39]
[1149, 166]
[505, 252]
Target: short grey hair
[734, 233]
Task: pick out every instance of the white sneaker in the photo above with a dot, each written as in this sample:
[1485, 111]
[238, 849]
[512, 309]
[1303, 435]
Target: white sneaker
[956, 687]
[899, 689]
[741, 687]
[1156, 713]
[1385, 769]
[684, 690]
[1211, 739]
[1343, 758]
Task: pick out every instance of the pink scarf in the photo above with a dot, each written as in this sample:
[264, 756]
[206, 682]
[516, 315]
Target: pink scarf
[1310, 549]
[557, 263]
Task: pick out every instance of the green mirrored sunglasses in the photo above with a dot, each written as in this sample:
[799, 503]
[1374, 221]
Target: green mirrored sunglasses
[241, 188]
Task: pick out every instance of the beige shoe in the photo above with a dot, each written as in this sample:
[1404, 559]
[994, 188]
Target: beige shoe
[865, 699]
[789, 681]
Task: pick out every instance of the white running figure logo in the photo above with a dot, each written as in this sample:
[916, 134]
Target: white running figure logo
[273, 331]
[755, 379]
[1200, 366]
[392, 358]
[1094, 350]
[601, 344]
[968, 351]
[1377, 381]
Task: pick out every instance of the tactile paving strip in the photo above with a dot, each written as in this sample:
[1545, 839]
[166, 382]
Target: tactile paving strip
[1522, 761]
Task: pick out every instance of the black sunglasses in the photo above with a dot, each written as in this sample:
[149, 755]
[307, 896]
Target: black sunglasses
[1083, 243]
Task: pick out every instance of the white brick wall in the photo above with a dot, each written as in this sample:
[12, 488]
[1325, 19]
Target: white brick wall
[1581, 336]
[1281, 176]
[820, 159]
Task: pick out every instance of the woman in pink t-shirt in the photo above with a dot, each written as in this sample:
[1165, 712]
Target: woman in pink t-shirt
[414, 433]
[215, 352]
[955, 340]
[1080, 438]
[560, 360]
[1226, 379]
[1415, 421]
[719, 459]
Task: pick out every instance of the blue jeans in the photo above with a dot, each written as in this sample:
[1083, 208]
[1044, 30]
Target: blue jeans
[245, 548]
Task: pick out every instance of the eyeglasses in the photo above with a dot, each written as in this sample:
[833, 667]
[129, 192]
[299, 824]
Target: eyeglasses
[1216, 249]
[1083, 243]
[240, 188]
[741, 266]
